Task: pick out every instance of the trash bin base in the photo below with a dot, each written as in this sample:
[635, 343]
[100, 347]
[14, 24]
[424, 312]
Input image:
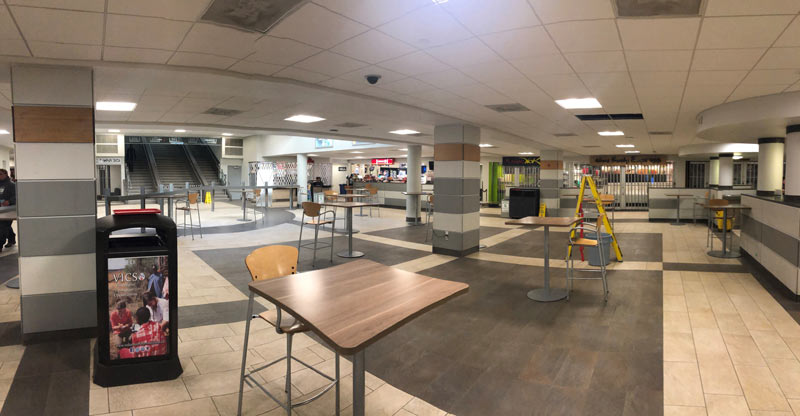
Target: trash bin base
[108, 375]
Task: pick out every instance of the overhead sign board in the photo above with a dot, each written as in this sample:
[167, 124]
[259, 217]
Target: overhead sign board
[388, 161]
[521, 161]
[627, 159]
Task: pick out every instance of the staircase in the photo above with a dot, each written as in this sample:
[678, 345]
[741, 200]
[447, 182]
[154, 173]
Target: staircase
[173, 165]
[139, 171]
[207, 163]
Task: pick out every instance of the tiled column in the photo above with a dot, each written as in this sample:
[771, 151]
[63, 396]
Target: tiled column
[770, 166]
[457, 186]
[792, 149]
[54, 145]
[550, 167]
[725, 175]
[713, 172]
[302, 177]
[414, 182]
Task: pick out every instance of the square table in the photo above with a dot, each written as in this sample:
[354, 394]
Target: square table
[725, 253]
[678, 208]
[352, 305]
[546, 293]
[348, 206]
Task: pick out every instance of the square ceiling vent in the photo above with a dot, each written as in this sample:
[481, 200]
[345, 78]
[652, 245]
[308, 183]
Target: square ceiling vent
[217, 111]
[252, 15]
[508, 108]
[652, 8]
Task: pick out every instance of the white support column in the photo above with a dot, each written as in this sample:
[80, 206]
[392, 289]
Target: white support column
[302, 177]
[770, 166]
[413, 182]
[713, 172]
[725, 175]
[793, 163]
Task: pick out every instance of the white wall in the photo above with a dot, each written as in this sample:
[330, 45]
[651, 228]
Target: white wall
[5, 157]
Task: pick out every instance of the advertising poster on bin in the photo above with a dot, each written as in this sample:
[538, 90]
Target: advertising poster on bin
[138, 302]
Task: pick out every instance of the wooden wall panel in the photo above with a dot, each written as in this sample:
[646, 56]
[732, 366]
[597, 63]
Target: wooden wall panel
[456, 151]
[42, 124]
[551, 164]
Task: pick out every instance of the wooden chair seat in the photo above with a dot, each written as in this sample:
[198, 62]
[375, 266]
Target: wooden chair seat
[318, 221]
[584, 242]
[288, 322]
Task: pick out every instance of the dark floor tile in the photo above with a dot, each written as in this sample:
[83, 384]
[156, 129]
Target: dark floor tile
[544, 365]
[576, 372]
[604, 402]
[10, 333]
[610, 372]
[66, 396]
[28, 395]
[641, 400]
[9, 267]
[562, 401]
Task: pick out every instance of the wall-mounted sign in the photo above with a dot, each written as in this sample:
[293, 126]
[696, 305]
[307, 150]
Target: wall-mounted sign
[388, 161]
[342, 168]
[521, 161]
[323, 143]
[108, 160]
[627, 159]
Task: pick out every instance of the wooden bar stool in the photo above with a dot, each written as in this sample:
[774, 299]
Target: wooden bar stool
[254, 200]
[577, 242]
[713, 217]
[317, 219]
[428, 214]
[193, 198]
[271, 262]
[373, 197]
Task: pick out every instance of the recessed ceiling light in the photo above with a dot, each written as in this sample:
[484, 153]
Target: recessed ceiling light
[485, 145]
[737, 157]
[311, 154]
[180, 131]
[526, 153]
[227, 134]
[113, 130]
[575, 103]
[2, 131]
[611, 133]
[404, 131]
[631, 151]
[356, 152]
[625, 145]
[440, 1]
[302, 118]
[114, 106]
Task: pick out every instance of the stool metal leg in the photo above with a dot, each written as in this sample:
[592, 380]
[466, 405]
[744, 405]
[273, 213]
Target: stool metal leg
[316, 235]
[191, 222]
[333, 226]
[288, 373]
[244, 350]
[199, 224]
[300, 240]
[337, 384]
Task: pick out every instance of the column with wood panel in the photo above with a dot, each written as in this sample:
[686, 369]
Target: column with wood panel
[551, 164]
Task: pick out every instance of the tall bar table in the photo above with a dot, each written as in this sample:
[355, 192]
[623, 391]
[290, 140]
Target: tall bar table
[678, 208]
[348, 206]
[725, 253]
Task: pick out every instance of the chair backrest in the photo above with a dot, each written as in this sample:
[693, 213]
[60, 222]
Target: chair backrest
[311, 209]
[193, 197]
[256, 193]
[271, 262]
[373, 191]
[718, 202]
[600, 225]
[330, 195]
[430, 199]
[606, 198]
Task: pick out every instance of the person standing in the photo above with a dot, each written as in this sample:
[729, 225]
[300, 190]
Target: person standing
[8, 197]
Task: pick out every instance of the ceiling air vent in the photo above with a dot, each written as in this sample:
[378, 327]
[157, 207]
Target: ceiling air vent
[222, 111]
[253, 15]
[564, 134]
[591, 146]
[507, 108]
[645, 8]
[350, 125]
[659, 133]
[606, 117]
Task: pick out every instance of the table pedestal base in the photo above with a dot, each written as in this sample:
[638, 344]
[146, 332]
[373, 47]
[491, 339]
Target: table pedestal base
[350, 254]
[725, 254]
[547, 294]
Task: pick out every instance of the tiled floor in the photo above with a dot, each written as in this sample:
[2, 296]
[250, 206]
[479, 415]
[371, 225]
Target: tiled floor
[682, 333]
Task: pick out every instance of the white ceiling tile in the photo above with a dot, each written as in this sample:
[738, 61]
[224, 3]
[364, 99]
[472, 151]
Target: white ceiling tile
[482, 16]
[156, 103]
[330, 63]
[201, 60]
[13, 47]
[723, 59]
[150, 56]
[426, 27]
[258, 68]
[344, 84]
[492, 71]
[754, 90]
[205, 119]
[561, 10]
[373, 47]
[791, 36]
[359, 74]
[144, 32]
[414, 63]
[522, 43]
[771, 77]
[780, 58]
[372, 12]
[710, 78]
[147, 116]
[194, 105]
[741, 32]
[480, 94]
[444, 79]
[750, 7]
[281, 51]
[49, 25]
[317, 26]
[112, 116]
[173, 117]
[466, 52]
[301, 75]
[406, 86]
[82, 5]
[64, 50]
[546, 64]
[699, 98]
[659, 79]
[597, 61]
[8, 30]
[648, 34]
[240, 103]
[190, 10]
[561, 86]
[585, 36]
[658, 60]
[218, 40]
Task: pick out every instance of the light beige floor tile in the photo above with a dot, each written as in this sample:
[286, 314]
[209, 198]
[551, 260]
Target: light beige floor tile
[795, 404]
[702, 319]
[719, 377]
[723, 405]
[709, 344]
[787, 373]
[11, 353]
[254, 402]
[205, 332]
[98, 401]
[213, 384]
[125, 413]
[697, 301]
[674, 303]
[731, 323]
[679, 347]
[770, 413]
[693, 286]
[684, 411]
[147, 395]
[421, 408]
[743, 350]
[257, 338]
[386, 401]
[8, 369]
[761, 389]
[682, 385]
[771, 344]
[677, 322]
[224, 361]
[202, 347]
[200, 407]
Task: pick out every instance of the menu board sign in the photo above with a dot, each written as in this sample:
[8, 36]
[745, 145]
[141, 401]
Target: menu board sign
[627, 159]
[521, 161]
[388, 161]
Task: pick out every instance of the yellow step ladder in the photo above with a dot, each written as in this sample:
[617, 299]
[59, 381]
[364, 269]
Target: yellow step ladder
[600, 209]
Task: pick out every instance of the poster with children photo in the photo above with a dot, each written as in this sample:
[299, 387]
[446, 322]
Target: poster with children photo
[138, 293]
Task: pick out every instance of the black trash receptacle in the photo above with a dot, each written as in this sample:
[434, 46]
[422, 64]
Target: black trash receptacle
[523, 202]
[137, 300]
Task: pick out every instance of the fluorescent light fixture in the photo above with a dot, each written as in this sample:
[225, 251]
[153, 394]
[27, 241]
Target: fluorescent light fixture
[113, 130]
[114, 106]
[356, 152]
[485, 145]
[526, 153]
[3, 131]
[631, 151]
[440, 1]
[576, 103]
[404, 132]
[227, 134]
[611, 133]
[625, 145]
[180, 131]
[738, 157]
[312, 154]
[302, 118]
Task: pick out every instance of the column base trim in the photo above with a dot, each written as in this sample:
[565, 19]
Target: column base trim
[725, 187]
[49, 336]
[455, 253]
[791, 198]
[765, 193]
[411, 219]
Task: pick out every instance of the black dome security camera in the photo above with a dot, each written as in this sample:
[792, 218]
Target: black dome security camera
[373, 79]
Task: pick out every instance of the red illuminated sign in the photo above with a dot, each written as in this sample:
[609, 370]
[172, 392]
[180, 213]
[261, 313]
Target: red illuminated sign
[383, 161]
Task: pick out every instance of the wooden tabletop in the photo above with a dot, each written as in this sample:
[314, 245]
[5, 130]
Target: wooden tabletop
[540, 221]
[352, 305]
[681, 195]
[349, 204]
[417, 193]
[604, 200]
[729, 206]
[351, 195]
